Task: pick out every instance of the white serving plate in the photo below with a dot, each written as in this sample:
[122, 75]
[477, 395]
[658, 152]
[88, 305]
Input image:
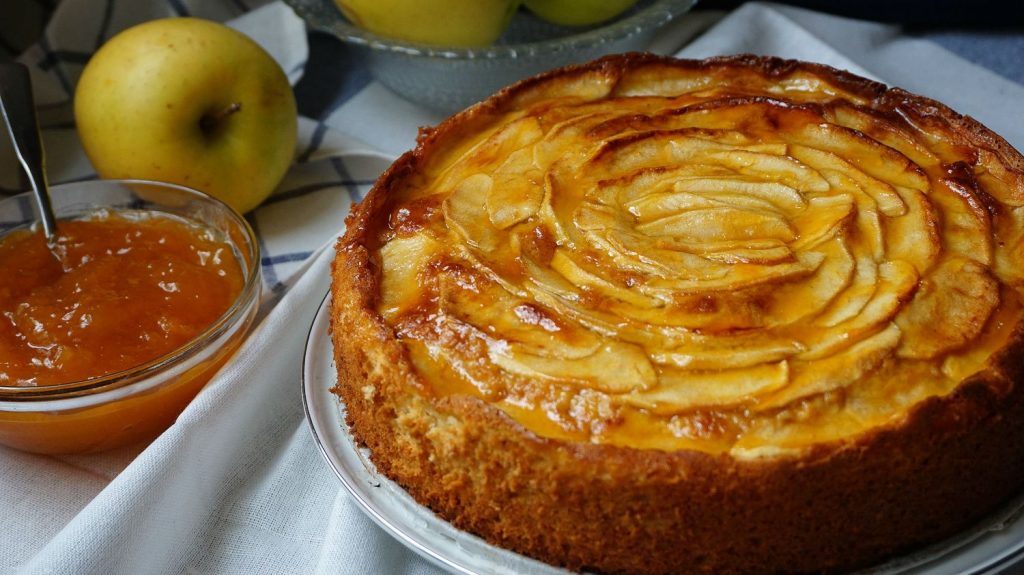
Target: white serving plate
[996, 546]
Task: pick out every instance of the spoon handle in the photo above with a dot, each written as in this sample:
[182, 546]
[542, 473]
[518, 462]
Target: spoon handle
[19, 113]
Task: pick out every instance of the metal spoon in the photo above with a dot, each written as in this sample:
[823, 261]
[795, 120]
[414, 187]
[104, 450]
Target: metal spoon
[20, 114]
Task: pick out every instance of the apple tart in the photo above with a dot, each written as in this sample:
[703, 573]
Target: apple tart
[648, 315]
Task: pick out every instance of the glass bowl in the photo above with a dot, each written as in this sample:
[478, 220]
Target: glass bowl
[128, 406]
[449, 79]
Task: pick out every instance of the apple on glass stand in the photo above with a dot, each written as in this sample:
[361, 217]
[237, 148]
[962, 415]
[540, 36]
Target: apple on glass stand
[191, 102]
[455, 23]
[578, 12]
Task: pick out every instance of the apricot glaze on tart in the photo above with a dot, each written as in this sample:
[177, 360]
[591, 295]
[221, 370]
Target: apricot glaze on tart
[648, 315]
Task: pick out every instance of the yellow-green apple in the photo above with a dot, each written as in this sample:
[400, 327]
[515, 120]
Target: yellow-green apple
[460, 23]
[191, 102]
[578, 12]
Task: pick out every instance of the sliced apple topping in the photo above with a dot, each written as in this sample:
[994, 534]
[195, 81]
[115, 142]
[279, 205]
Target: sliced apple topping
[850, 303]
[741, 276]
[771, 167]
[1005, 186]
[826, 217]
[672, 147]
[1009, 260]
[756, 255]
[914, 236]
[837, 370]
[896, 283]
[680, 391]
[872, 157]
[968, 223]
[837, 171]
[725, 351]
[401, 261]
[614, 367]
[950, 309]
[794, 302]
[738, 190]
[888, 133]
[625, 188]
[718, 224]
[516, 191]
[463, 210]
[578, 276]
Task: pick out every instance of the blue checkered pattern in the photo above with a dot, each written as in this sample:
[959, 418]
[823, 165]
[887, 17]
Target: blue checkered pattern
[304, 214]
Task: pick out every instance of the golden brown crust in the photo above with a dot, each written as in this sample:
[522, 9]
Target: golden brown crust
[836, 506]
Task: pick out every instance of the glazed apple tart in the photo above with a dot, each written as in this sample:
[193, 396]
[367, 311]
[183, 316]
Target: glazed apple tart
[648, 315]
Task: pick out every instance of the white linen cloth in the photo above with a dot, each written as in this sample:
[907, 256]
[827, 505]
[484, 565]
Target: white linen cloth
[237, 485]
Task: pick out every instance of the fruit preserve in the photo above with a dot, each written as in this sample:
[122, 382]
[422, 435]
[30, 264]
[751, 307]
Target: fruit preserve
[115, 292]
[107, 334]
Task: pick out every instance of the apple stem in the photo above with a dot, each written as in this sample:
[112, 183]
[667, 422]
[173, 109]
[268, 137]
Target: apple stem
[209, 122]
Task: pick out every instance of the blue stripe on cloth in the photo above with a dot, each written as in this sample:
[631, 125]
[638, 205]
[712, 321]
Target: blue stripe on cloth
[358, 78]
[353, 187]
[52, 59]
[314, 143]
[348, 184]
[284, 258]
[269, 273]
[347, 75]
[300, 192]
[334, 72]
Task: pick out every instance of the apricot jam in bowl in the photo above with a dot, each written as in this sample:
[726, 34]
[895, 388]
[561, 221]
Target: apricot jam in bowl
[109, 331]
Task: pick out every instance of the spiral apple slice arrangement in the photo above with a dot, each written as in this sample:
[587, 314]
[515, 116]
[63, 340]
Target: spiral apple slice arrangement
[728, 266]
